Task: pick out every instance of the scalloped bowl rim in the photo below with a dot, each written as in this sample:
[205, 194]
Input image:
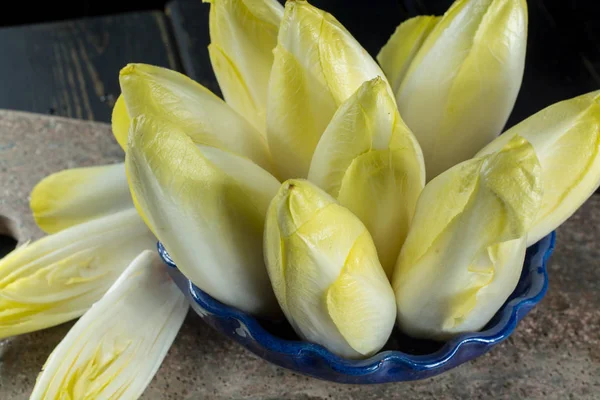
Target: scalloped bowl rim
[506, 324]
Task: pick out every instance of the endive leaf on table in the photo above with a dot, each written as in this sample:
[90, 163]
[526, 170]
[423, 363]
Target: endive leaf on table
[397, 54]
[317, 66]
[207, 206]
[566, 138]
[462, 85]
[243, 34]
[57, 278]
[115, 349]
[369, 160]
[169, 95]
[325, 273]
[466, 245]
[77, 195]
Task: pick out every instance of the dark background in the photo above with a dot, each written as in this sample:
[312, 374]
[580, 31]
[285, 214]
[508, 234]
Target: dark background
[64, 60]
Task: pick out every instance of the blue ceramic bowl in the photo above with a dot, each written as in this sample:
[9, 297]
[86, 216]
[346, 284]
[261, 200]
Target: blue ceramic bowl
[402, 359]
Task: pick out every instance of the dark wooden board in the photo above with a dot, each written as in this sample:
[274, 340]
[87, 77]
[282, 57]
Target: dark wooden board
[189, 19]
[21, 13]
[71, 68]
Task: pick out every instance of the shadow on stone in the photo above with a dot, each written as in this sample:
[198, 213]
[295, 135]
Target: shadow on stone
[8, 241]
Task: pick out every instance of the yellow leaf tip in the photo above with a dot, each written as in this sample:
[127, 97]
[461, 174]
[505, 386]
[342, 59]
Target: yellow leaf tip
[128, 69]
[378, 83]
[303, 5]
[294, 185]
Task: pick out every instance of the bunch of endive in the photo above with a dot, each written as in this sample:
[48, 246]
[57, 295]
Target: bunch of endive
[344, 193]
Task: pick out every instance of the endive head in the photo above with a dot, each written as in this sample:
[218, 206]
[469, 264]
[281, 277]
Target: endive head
[207, 206]
[171, 96]
[115, 349]
[371, 162]
[458, 77]
[464, 251]
[317, 66]
[325, 273]
[566, 138]
[57, 278]
[243, 34]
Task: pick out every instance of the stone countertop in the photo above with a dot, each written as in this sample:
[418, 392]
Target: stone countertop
[553, 354]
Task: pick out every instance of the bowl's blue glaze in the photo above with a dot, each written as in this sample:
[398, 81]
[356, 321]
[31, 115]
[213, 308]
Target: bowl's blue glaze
[421, 359]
